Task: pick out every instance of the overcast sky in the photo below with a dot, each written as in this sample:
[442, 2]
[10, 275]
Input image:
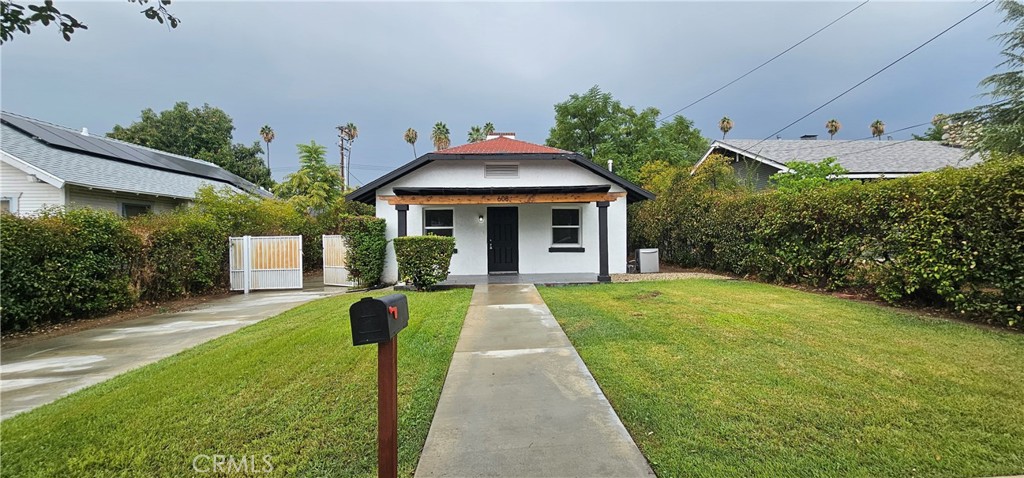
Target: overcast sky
[306, 67]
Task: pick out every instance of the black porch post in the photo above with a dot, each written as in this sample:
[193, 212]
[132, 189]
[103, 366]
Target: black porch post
[602, 225]
[403, 225]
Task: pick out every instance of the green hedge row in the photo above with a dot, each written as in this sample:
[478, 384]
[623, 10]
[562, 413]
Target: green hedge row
[423, 261]
[952, 238]
[64, 264]
[79, 263]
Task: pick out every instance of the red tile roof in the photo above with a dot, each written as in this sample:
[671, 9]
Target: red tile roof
[502, 145]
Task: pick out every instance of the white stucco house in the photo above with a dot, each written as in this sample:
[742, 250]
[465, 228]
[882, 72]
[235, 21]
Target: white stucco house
[44, 165]
[513, 207]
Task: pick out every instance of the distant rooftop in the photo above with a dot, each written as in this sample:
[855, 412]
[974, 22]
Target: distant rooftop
[858, 156]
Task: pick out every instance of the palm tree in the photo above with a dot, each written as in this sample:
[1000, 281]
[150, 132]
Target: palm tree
[832, 126]
[488, 129]
[476, 134]
[725, 125]
[440, 136]
[878, 129]
[410, 137]
[268, 135]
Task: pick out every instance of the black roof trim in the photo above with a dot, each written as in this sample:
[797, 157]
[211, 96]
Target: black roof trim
[367, 193]
[597, 188]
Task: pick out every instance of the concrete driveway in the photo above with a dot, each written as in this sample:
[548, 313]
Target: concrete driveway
[40, 372]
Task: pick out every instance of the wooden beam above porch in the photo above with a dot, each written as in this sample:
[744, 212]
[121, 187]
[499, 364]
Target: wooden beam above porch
[502, 199]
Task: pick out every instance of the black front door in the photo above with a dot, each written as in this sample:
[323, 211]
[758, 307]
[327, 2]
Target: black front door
[502, 240]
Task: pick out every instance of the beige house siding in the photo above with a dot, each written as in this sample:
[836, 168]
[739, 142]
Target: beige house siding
[29, 194]
[111, 201]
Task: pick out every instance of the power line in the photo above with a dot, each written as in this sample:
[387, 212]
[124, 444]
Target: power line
[758, 67]
[886, 67]
[830, 143]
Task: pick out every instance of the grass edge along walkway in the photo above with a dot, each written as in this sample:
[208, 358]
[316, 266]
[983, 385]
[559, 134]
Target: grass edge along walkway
[292, 387]
[734, 378]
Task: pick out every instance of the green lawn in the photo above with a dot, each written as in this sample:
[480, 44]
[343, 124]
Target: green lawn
[292, 387]
[728, 378]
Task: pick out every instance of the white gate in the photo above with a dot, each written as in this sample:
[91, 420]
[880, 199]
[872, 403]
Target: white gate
[265, 262]
[335, 272]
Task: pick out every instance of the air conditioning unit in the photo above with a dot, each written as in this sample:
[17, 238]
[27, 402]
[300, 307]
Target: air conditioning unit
[647, 260]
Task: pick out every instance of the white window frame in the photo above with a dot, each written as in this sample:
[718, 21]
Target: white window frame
[579, 236]
[427, 229]
[122, 205]
[13, 202]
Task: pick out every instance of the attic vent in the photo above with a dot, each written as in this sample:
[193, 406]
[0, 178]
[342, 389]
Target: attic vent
[500, 171]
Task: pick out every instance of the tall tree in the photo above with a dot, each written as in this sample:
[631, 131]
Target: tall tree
[201, 133]
[476, 134]
[15, 19]
[627, 137]
[877, 129]
[725, 125]
[244, 161]
[440, 136]
[832, 126]
[268, 135]
[316, 185]
[488, 129]
[585, 121]
[410, 137]
[999, 125]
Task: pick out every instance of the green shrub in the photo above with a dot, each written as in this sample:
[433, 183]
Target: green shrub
[366, 246]
[184, 253]
[80, 263]
[949, 238]
[61, 264]
[424, 260]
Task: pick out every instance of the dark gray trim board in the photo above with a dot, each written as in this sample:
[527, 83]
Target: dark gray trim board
[566, 249]
[602, 220]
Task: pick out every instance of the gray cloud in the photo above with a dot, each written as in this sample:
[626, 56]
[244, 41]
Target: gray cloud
[305, 67]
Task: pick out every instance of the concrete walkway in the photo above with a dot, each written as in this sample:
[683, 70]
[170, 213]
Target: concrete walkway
[41, 372]
[518, 400]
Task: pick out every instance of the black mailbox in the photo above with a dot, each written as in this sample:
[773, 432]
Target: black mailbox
[378, 320]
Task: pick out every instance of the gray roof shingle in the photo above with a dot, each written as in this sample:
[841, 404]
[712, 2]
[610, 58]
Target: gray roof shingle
[100, 173]
[858, 156]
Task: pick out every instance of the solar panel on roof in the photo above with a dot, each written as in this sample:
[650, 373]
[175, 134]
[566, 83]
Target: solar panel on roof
[99, 146]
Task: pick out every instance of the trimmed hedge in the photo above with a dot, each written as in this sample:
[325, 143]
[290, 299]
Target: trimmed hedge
[423, 261]
[61, 264]
[951, 238]
[80, 263]
[366, 246]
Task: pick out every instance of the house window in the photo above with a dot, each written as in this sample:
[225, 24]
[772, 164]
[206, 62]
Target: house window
[9, 205]
[132, 210]
[439, 222]
[565, 226]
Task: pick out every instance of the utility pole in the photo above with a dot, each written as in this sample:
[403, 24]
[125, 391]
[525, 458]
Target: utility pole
[341, 146]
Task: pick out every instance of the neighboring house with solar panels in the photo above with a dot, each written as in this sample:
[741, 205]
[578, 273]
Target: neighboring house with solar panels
[754, 161]
[48, 165]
